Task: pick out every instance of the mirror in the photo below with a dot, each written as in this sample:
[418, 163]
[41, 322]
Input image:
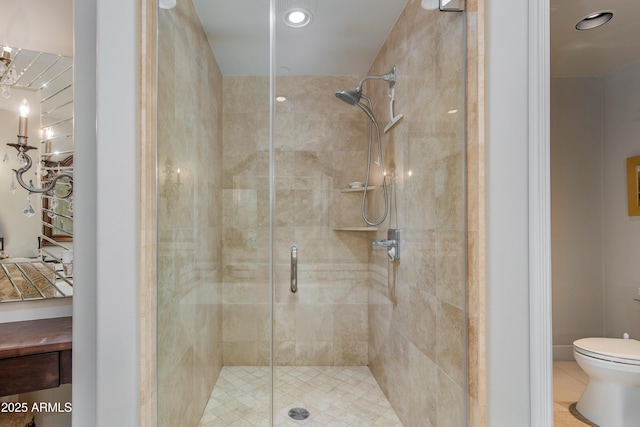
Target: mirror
[36, 228]
[58, 211]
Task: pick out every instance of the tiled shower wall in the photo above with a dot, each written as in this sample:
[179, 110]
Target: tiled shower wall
[189, 218]
[417, 305]
[320, 146]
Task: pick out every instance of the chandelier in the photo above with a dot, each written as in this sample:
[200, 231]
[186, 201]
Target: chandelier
[8, 74]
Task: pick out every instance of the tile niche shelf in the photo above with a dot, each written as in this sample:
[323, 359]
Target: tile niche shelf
[357, 189]
[356, 228]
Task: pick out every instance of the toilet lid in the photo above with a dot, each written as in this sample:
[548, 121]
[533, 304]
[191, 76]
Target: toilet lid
[613, 349]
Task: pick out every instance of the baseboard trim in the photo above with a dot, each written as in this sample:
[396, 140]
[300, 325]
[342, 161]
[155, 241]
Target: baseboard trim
[563, 353]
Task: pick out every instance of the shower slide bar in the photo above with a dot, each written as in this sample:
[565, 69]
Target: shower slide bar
[294, 269]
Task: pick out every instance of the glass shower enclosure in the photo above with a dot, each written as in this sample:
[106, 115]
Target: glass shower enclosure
[311, 214]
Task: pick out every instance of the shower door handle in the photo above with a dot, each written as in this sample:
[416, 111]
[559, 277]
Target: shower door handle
[294, 269]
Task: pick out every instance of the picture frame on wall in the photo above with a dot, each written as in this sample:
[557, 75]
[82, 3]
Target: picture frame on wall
[633, 185]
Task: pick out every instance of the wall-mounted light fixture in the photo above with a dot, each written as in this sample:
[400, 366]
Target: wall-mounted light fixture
[170, 188]
[23, 157]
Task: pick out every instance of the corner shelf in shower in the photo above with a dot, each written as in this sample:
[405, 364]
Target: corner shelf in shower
[355, 228]
[358, 189]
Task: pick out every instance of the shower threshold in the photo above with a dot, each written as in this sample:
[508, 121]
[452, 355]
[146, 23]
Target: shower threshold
[334, 395]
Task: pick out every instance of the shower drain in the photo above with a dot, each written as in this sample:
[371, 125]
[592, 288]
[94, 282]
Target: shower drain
[298, 413]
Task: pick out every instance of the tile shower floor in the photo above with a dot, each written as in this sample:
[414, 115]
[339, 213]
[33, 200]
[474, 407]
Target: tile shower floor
[344, 396]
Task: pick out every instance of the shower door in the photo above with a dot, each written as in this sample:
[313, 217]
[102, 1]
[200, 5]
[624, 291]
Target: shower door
[274, 306]
[214, 251]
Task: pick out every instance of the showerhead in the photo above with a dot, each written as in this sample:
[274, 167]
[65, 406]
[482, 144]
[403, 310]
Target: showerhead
[351, 97]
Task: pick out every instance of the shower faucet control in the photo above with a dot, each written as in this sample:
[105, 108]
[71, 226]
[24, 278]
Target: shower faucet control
[391, 244]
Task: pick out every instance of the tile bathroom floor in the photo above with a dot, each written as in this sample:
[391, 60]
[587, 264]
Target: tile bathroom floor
[569, 381]
[344, 396]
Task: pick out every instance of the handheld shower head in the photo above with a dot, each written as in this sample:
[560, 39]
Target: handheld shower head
[351, 97]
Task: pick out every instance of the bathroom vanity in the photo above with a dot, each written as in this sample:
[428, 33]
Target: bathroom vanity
[35, 355]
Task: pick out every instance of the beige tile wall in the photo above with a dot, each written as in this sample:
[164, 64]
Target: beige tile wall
[320, 146]
[189, 218]
[417, 347]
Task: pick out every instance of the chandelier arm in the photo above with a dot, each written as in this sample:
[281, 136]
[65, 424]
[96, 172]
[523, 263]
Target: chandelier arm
[30, 187]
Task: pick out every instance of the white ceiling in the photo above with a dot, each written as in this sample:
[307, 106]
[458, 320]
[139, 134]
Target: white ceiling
[343, 38]
[41, 25]
[599, 51]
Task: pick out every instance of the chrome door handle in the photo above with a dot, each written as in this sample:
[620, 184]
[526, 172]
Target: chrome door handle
[294, 269]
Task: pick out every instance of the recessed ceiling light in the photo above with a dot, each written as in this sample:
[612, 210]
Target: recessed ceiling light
[594, 20]
[297, 17]
[281, 98]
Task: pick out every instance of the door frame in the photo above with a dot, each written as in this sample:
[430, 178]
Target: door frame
[540, 300]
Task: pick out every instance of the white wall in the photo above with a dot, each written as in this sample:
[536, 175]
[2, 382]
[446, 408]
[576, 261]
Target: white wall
[596, 273]
[30, 310]
[40, 25]
[507, 216]
[85, 332]
[576, 211]
[106, 370]
[117, 230]
[621, 232]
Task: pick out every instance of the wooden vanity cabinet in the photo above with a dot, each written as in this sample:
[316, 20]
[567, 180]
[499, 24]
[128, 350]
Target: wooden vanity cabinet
[34, 355]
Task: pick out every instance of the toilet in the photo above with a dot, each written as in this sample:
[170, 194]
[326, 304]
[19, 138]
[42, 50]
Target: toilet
[612, 397]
